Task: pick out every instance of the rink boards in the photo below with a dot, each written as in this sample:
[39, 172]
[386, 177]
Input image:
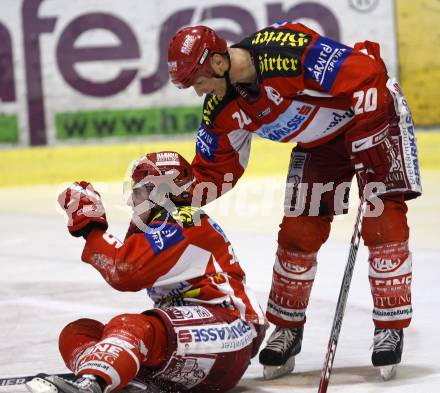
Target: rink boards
[109, 162]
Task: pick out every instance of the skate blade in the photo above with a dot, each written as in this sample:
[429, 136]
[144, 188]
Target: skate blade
[272, 372]
[138, 389]
[388, 372]
[40, 385]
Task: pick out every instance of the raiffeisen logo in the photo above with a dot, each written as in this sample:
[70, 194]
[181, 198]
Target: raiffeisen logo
[50, 48]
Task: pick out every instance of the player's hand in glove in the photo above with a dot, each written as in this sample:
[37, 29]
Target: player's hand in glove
[84, 209]
[371, 151]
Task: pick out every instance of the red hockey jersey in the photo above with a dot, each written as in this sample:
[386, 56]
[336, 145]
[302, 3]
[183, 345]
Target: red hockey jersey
[186, 259]
[309, 90]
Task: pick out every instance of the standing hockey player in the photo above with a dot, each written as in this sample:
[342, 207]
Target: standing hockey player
[287, 83]
[205, 326]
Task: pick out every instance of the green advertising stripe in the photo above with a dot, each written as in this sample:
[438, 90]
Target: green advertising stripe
[8, 128]
[151, 121]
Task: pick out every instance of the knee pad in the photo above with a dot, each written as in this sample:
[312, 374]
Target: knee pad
[147, 328]
[77, 336]
[139, 325]
[390, 226]
[304, 233]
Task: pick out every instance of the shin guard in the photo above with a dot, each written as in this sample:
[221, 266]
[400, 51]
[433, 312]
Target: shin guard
[390, 274]
[293, 276]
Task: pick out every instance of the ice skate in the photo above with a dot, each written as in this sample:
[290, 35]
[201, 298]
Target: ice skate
[387, 351]
[44, 383]
[278, 358]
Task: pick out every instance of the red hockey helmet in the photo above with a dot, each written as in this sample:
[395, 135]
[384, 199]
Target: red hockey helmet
[164, 172]
[190, 52]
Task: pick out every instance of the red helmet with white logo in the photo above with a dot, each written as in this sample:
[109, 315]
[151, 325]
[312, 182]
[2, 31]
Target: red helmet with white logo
[190, 52]
[166, 172]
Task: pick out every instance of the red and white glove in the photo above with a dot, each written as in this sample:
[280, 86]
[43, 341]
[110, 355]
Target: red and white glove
[371, 152]
[84, 209]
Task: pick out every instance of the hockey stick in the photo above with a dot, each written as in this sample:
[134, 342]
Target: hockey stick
[343, 295]
[14, 381]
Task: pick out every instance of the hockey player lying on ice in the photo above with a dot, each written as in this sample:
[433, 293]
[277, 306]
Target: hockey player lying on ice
[205, 325]
[287, 83]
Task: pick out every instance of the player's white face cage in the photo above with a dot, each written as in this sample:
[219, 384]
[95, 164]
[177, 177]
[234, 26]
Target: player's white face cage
[157, 188]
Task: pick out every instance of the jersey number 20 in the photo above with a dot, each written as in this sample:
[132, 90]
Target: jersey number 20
[365, 101]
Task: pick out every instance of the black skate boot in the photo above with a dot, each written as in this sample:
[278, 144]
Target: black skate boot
[55, 384]
[278, 358]
[387, 351]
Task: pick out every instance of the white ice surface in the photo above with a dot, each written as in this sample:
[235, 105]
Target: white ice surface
[43, 286]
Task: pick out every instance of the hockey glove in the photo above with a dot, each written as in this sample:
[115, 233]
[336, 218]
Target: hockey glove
[371, 152]
[84, 209]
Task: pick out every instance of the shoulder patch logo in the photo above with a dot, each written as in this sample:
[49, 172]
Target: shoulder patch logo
[206, 144]
[324, 60]
[166, 237]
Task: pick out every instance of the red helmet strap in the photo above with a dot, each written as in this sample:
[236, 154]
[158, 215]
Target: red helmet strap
[225, 75]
